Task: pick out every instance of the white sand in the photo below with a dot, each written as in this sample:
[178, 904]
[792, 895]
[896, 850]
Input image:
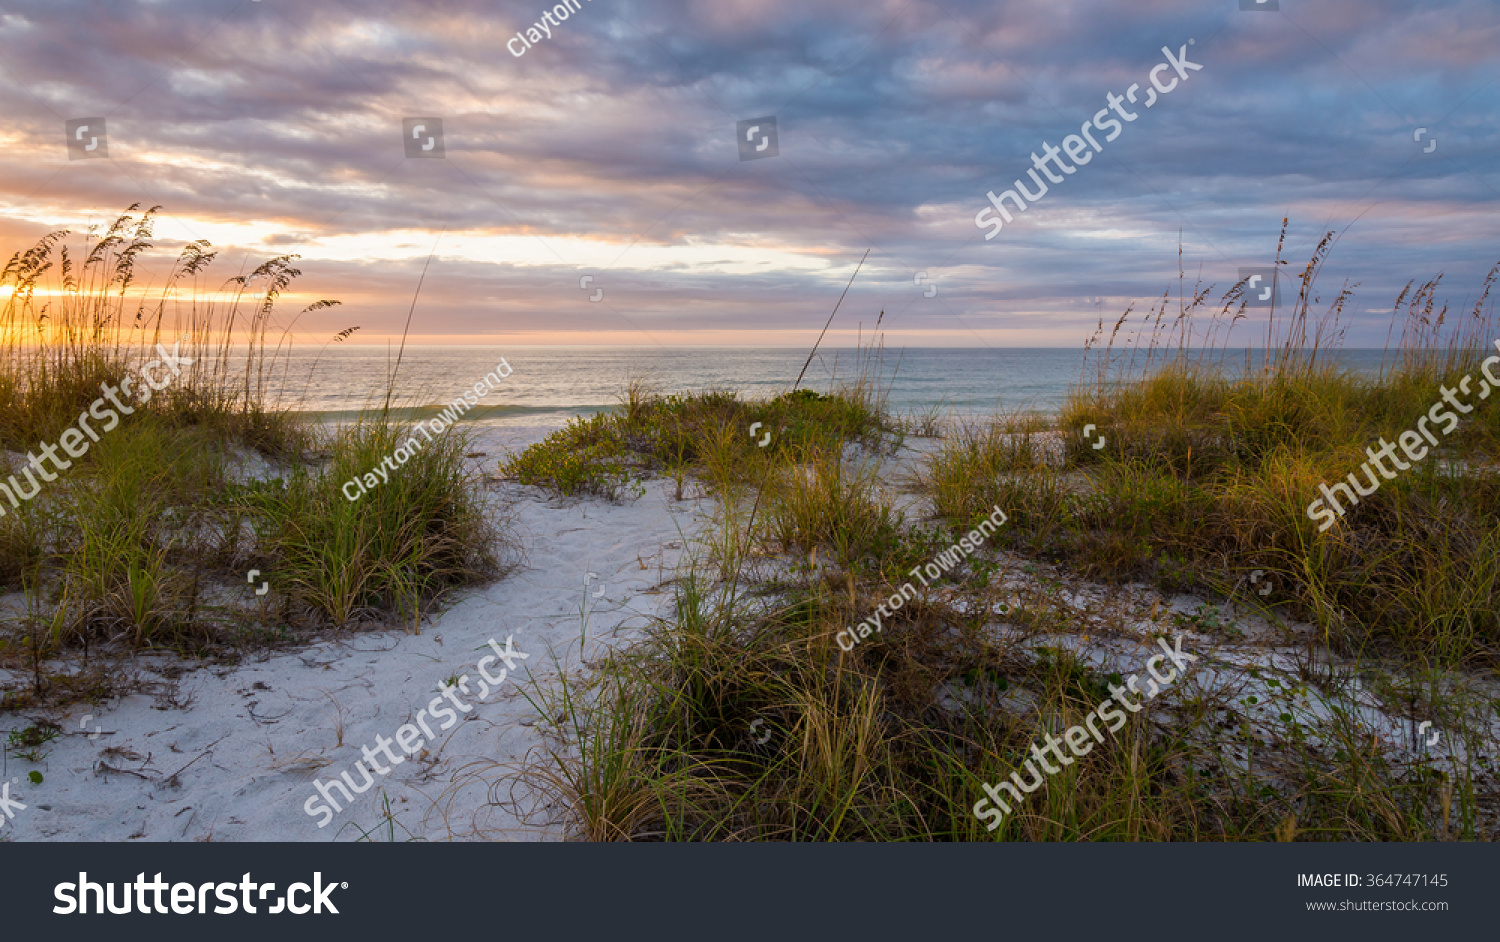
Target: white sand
[253, 737]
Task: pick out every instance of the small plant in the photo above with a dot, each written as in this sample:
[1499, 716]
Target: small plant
[28, 742]
[1208, 619]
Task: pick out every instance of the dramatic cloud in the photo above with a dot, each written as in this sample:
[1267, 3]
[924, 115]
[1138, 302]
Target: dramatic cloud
[609, 149]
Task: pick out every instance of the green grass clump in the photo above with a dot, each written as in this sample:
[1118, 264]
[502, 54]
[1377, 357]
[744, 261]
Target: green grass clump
[401, 545]
[822, 500]
[144, 524]
[708, 433]
[586, 457]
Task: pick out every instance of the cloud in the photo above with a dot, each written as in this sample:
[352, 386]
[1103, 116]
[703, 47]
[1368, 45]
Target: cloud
[608, 149]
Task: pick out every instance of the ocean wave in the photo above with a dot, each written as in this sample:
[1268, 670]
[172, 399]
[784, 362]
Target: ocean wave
[477, 413]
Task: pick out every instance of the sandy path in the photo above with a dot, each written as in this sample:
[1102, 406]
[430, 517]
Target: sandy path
[252, 738]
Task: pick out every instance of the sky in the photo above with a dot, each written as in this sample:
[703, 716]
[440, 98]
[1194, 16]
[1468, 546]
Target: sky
[616, 183]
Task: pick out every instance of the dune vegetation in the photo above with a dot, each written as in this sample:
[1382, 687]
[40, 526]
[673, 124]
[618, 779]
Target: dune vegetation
[145, 540]
[743, 717]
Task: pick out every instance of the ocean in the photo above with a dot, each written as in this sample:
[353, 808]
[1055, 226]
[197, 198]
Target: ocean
[550, 385]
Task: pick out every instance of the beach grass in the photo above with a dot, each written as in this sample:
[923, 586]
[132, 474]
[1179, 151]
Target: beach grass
[1208, 476]
[398, 548]
[147, 539]
[715, 434]
[743, 717]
